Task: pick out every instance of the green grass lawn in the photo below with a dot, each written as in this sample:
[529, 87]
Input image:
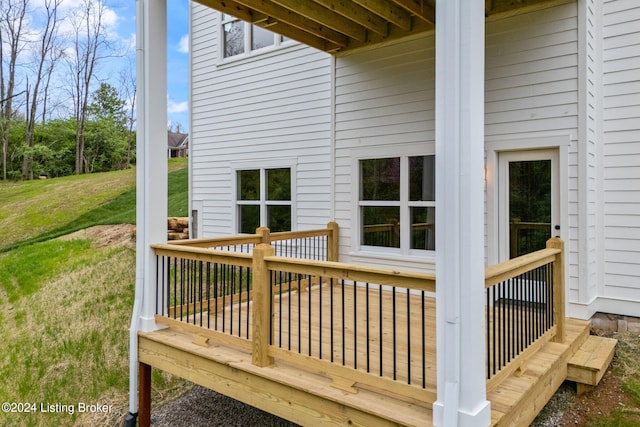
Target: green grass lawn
[65, 305]
[35, 211]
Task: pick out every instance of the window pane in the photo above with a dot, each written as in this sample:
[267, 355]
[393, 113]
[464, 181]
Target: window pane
[380, 179]
[249, 218]
[279, 184]
[381, 226]
[260, 38]
[529, 206]
[423, 228]
[249, 185]
[422, 178]
[279, 218]
[233, 38]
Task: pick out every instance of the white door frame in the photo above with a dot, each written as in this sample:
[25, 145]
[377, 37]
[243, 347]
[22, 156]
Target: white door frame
[493, 148]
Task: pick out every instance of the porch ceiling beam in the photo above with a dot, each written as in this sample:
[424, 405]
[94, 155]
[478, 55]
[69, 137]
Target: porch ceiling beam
[248, 14]
[358, 14]
[294, 19]
[326, 17]
[388, 11]
[419, 8]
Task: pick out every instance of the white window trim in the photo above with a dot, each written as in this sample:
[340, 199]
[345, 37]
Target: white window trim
[262, 166]
[278, 43]
[403, 253]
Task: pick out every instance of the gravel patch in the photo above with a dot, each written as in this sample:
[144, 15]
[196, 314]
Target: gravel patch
[201, 407]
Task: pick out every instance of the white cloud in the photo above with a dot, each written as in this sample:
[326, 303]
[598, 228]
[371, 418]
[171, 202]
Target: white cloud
[183, 44]
[176, 107]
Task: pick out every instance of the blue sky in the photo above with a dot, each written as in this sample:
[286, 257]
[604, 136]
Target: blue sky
[177, 52]
[119, 26]
[178, 65]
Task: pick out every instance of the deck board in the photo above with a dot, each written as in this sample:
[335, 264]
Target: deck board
[514, 402]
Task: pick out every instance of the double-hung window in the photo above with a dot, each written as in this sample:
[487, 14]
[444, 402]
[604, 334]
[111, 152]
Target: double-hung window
[397, 203]
[263, 198]
[241, 38]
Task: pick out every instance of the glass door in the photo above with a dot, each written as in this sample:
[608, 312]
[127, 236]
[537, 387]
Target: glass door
[528, 203]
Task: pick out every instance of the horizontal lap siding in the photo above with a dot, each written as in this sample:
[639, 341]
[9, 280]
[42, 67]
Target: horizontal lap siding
[385, 102]
[269, 106]
[621, 79]
[531, 90]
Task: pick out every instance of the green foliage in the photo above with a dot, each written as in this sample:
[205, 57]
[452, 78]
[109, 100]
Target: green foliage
[108, 142]
[107, 137]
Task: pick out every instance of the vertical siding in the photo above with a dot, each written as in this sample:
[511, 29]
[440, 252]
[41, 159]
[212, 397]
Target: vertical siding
[275, 105]
[621, 78]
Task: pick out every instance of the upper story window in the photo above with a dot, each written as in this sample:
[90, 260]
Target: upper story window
[397, 202]
[263, 198]
[240, 38]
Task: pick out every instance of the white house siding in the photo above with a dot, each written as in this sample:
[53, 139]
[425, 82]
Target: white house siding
[621, 78]
[384, 106]
[260, 110]
[532, 91]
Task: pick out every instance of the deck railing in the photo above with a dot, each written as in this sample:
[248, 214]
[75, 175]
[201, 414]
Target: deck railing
[319, 244]
[356, 324]
[524, 308]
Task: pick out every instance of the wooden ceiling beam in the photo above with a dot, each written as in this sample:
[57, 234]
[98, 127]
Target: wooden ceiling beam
[418, 8]
[241, 11]
[294, 19]
[358, 14]
[326, 17]
[232, 8]
[388, 11]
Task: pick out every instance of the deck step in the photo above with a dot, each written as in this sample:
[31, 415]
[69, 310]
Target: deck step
[590, 362]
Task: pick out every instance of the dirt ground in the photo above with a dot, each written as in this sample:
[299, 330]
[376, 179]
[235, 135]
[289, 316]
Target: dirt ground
[105, 235]
[567, 409]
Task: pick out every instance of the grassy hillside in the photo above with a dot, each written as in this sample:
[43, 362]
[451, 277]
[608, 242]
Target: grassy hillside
[36, 211]
[65, 305]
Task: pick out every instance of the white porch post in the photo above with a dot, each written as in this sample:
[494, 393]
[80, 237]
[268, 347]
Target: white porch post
[151, 155]
[460, 223]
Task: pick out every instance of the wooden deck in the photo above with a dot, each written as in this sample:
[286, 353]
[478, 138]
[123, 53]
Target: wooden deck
[311, 380]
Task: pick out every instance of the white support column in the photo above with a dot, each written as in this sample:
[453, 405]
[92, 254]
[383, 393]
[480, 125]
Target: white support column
[151, 163]
[151, 151]
[460, 223]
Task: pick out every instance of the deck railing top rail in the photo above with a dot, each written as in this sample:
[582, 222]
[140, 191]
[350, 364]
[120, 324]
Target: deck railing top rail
[509, 269]
[404, 279]
[202, 254]
[262, 235]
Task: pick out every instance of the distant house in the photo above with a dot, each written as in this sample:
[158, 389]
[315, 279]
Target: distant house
[177, 144]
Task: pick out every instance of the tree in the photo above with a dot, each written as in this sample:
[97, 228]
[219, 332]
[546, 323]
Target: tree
[106, 135]
[12, 17]
[45, 60]
[89, 45]
[128, 92]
